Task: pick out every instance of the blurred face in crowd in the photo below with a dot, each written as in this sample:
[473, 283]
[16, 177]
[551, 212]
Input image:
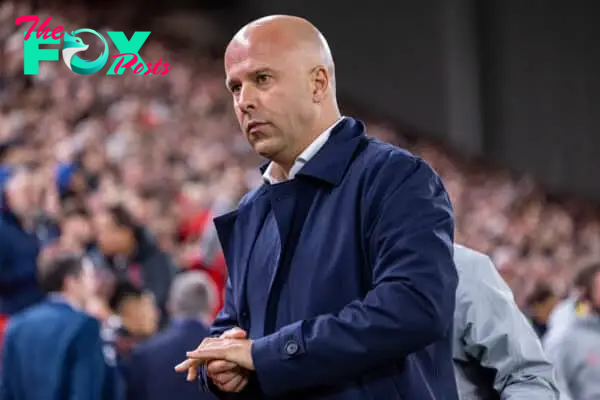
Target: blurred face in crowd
[78, 184]
[276, 80]
[140, 315]
[82, 287]
[542, 310]
[94, 161]
[77, 227]
[23, 194]
[112, 238]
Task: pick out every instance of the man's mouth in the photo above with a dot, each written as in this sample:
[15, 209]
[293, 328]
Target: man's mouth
[254, 125]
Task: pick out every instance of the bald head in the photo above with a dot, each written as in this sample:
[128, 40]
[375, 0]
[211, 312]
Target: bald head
[285, 33]
[282, 77]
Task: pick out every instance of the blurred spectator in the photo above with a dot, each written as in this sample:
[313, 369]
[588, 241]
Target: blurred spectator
[76, 232]
[565, 312]
[19, 244]
[578, 354]
[539, 305]
[137, 316]
[151, 373]
[134, 252]
[57, 330]
[134, 318]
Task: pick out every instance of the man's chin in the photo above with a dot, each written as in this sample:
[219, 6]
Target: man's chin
[264, 149]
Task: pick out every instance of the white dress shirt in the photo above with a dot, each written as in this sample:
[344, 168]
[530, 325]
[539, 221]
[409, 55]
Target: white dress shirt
[303, 158]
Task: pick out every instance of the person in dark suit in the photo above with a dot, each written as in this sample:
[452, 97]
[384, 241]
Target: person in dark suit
[341, 270]
[151, 375]
[53, 350]
[19, 243]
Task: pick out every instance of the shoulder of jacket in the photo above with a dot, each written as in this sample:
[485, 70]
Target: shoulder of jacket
[469, 259]
[382, 153]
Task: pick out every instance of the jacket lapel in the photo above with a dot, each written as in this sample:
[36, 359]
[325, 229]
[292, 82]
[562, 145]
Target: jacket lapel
[282, 203]
[291, 201]
[238, 231]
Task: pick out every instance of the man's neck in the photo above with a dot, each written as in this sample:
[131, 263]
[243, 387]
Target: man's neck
[68, 299]
[284, 166]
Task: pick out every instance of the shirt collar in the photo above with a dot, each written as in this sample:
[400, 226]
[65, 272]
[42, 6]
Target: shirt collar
[303, 158]
[56, 297]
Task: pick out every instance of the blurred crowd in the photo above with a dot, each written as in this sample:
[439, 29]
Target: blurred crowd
[130, 170]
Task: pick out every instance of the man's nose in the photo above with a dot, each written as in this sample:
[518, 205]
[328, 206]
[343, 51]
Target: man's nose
[247, 99]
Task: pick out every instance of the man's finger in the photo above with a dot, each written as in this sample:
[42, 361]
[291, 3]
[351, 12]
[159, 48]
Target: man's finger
[217, 351]
[207, 341]
[224, 377]
[192, 373]
[232, 384]
[219, 366]
[234, 333]
[204, 355]
[185, 365]
[241, 385]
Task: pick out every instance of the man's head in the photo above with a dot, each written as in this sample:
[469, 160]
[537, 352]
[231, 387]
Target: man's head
[540, 302]
[69, 275]
[76, 227]
[192, 295]
[136, 308]
[115, 230]
[23, 193]
[281, 74]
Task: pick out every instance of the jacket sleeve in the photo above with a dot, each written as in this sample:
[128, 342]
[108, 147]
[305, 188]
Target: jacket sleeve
[409, 241]
[496, 333]
[87, 371]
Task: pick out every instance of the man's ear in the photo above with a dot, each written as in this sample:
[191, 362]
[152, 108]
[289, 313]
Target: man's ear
[320, 83]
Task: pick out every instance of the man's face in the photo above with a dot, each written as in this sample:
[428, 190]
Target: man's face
[83, 286]
[111, 237]
[79, 227]
[140, 315]
[24, 196]
[271, 94]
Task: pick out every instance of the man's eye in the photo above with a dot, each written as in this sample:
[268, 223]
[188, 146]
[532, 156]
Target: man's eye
[235, 88]
[262, 78]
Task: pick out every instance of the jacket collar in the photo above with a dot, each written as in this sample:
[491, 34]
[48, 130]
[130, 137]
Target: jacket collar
[331, 162]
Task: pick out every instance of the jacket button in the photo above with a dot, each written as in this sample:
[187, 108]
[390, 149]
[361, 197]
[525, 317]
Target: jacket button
[291, 348]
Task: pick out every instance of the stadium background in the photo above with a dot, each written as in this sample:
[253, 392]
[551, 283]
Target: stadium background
[498, 96]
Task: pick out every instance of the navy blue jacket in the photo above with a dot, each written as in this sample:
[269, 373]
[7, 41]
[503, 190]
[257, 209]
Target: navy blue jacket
[52, 351]
[19, 251]
[361, 302]
[151, 373]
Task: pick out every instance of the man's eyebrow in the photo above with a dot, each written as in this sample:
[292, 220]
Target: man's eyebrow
[253, 73]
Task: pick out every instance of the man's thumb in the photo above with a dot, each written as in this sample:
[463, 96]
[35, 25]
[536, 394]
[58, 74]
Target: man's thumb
[234, 333]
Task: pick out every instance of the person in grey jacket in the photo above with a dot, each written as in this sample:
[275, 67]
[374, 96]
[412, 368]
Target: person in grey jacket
[497, 355]
[577, 355]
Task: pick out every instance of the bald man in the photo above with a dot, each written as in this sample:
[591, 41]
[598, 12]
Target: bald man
[341, 274]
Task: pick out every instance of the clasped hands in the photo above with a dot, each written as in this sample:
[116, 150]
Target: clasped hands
[228, 360]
